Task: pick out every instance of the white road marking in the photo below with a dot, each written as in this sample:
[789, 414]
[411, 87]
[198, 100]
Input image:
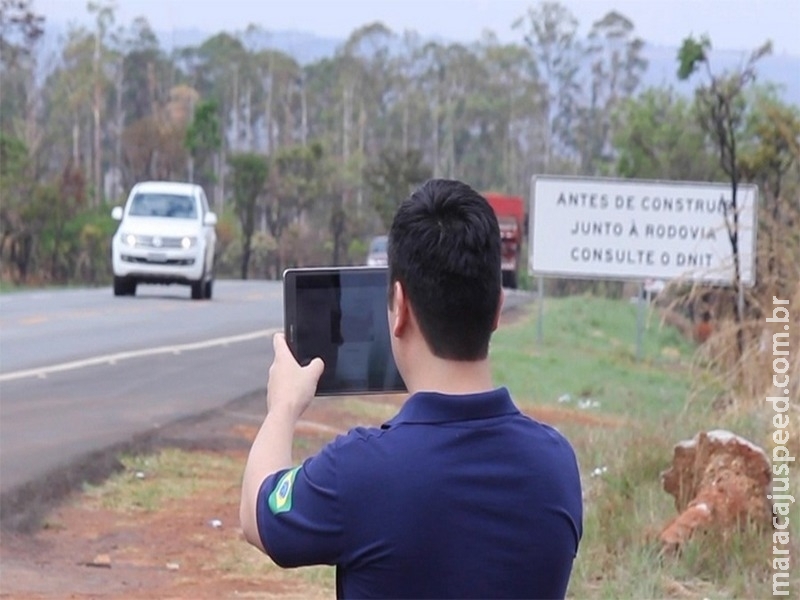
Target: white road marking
[112, 359]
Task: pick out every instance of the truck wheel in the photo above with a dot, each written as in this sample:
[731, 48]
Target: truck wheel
[208, 289]
[198, 287]
[124, 286]
[510, 279]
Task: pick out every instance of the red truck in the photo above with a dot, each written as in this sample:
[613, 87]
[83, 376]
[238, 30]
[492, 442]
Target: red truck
[510, 211]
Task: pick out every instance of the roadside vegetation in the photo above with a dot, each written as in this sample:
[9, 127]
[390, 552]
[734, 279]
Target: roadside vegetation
[624, 418]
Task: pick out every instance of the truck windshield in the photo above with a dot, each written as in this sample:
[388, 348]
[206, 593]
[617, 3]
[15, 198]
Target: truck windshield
[378, 244]
[163, 205]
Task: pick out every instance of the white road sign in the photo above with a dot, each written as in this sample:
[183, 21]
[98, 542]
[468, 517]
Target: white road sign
[639, 229]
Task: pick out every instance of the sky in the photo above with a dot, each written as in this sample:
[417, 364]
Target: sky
[730, 24]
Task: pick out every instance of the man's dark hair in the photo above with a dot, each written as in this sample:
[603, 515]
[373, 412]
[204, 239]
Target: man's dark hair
[444, 248]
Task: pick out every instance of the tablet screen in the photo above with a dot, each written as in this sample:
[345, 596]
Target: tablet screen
[339, 315]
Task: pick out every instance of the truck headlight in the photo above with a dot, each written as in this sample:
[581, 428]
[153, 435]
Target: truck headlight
[128, 239]
[187, 242]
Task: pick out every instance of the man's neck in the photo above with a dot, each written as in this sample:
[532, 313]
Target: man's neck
[450, 376]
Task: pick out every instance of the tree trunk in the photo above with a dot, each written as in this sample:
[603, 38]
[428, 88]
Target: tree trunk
[435, 114]
[76, 137]
[118, 129]
[304, 117]
[278, 260]
[235, 124]
[246, 250]
[248, 130]
[338, 224]
[269, 130]
[96, 151]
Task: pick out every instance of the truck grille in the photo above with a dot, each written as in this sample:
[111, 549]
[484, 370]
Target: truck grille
[142, 260]
[154, 241]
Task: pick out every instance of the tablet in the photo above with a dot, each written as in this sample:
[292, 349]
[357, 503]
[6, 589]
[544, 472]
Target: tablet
[339, 314]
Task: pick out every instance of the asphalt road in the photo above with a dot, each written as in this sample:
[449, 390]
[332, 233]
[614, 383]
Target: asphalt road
[81, 370]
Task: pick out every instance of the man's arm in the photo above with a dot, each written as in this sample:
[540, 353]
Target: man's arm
[290, 389]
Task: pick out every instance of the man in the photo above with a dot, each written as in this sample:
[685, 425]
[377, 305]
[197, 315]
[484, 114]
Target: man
[459, 495]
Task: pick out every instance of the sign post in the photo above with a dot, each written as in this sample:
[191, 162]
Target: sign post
[640, 321]
[540, 320]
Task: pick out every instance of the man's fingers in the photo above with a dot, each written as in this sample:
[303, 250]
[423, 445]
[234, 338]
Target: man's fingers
[316, 367]
[278, 340]
[280, 346]
[283, 352]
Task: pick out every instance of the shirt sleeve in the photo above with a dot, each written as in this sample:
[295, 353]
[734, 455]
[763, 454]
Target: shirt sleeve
[299, 514]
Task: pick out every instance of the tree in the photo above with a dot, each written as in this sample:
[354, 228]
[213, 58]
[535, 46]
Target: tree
[297, 180]
[658, 138]
[20, 30]
[616, 65]
[154, 146]
[147, 77]
[248, 174]
[67, 100]
[16, 186]
[552, 40]
[104, 19]
[504, 117]
[721, 109]
[391, 178]
[203, 140]
[216, 69]
[768, 157]
[71, 197]
[284, 101]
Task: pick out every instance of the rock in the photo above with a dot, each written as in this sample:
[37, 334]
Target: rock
[173, 566]
[719, 480]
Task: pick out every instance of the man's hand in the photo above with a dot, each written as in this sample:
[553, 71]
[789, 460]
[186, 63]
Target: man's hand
[290, 390]
[291, 387]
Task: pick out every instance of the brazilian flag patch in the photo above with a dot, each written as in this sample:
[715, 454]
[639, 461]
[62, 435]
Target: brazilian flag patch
[280, 500]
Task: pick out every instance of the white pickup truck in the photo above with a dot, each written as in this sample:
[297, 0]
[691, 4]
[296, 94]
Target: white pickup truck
[166, 235]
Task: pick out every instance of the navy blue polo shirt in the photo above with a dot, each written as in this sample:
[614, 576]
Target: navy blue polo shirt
[455, 497]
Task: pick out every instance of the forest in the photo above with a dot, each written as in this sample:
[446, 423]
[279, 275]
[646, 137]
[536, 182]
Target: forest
[305, 162]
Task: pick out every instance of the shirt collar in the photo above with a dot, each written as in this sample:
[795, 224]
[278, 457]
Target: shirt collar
[434, 407]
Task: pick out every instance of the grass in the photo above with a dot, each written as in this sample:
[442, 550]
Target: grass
[147, 482]
[368, 409]
[588, 352]
[7, 287]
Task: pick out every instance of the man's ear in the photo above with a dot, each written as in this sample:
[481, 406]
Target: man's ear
[399, 309]
[499, 310]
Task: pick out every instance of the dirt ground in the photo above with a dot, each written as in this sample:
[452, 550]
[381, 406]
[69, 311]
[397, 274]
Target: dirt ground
[187, 549]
